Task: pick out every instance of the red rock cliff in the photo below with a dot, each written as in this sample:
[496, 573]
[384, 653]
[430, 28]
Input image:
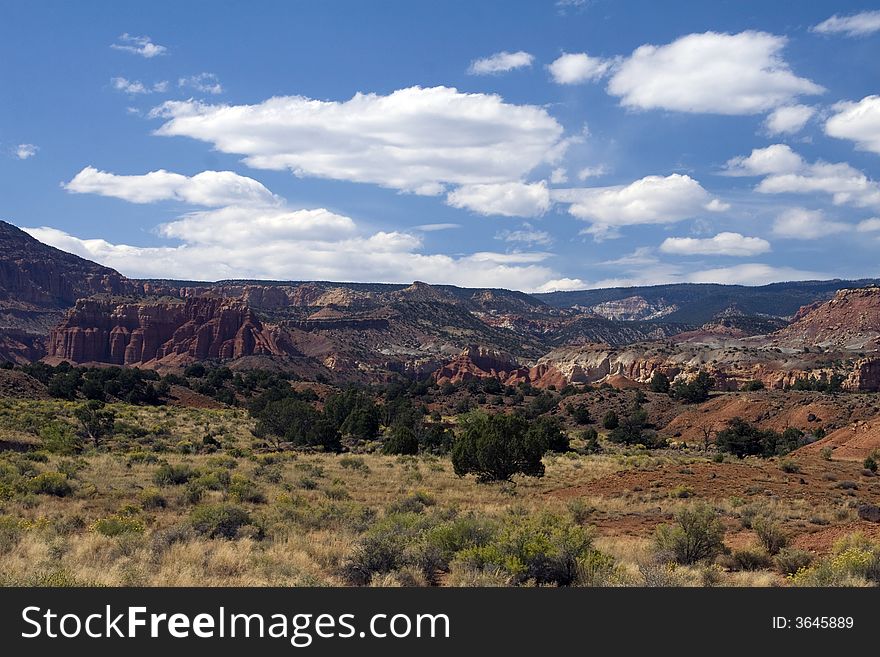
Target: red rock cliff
[161, 332]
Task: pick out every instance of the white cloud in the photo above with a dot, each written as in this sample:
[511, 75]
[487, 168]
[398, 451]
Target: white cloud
[242, 230]
[433, 228]
[207, 83]
[135, 87]
[139, 45]
[576, 68]
[727, 244]
[802, 224]
[846, 184]
[559, 176]
[208, 188]
[562, 285]
[855, 25]
[514, 199]
[858, 122]
[236, 225]
[501, 62]
[528, 234]
[25, 151]
[650, 200]
[753, 274]
[775, 159]
[871, 225]
[713, 73]
[593, 172]
[788, 120]
[415, 139]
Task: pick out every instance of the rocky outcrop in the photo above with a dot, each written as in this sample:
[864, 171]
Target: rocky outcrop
[34, 273]
[849, 321]
[169, 332]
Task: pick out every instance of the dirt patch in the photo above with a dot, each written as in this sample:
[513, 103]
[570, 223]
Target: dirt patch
[852, 443]
[822, 540]
[183, 396]
[19, 385]
[818, 482]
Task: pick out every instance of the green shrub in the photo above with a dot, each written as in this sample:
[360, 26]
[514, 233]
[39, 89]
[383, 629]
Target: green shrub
[610, 420]
[540, 549]
[853, 561]
[659, 382]
[50, 483]
[412, 503]
[60, 438]
[10, 534]
[383, 547]
[401, 440]
[242, 489]
[693, 391]
[825, 453]
[218, 520]
[590, 438]
[117, 525]
[789, 467]
[173, 475]
[870, 463]
[791, 560]
[337, 492]
[750, 559]
[354, 463]
[496, 447]
[743, 439]
[771, 534]
[697, 535]
[152, 499]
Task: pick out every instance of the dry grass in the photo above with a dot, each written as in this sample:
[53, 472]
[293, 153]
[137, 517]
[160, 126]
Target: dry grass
[312, 509]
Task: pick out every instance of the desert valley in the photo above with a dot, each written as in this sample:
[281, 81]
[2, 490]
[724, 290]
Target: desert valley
[163, 432]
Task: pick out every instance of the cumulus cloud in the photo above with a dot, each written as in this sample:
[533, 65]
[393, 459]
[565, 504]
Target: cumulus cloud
[562, 285]
[527, 234]
[25, 151]
[854, 25]
[415, 140]
[239, 229]
[714, 73]
[802, 224]
[788, 120]
[514, 199]
[650, 200]
[139, 45]
[501, 62]
[207, 83]
[775, 159]
[135, 87]
[858, 122]
[846, 184]
[726, 244]
[208, 188]
[576, 68]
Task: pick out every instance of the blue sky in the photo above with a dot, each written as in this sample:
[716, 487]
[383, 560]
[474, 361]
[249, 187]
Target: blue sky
[532, 145]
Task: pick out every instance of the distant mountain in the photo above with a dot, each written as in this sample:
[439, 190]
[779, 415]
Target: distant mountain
[701, 303]
[38, 283]
[365, 330]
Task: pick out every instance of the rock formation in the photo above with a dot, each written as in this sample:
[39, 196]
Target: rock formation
[162, 332]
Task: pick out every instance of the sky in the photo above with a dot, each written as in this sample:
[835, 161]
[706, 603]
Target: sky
[543, 145]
